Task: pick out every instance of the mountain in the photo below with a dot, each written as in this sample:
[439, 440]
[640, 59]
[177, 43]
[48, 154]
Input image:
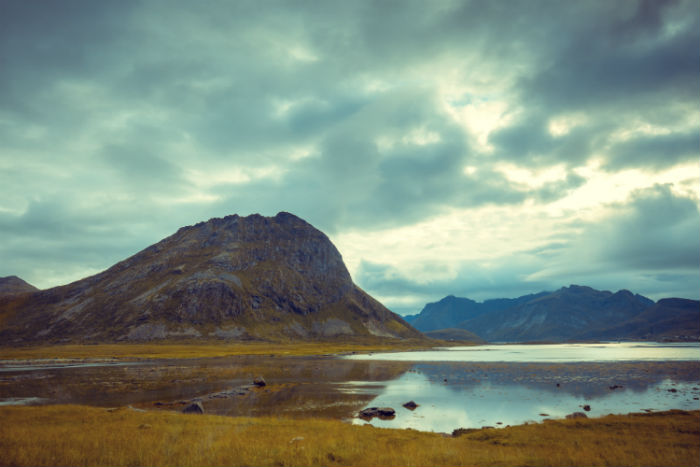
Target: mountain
[15, 285]
[235, 277]
[451, 311]
[570, 313]
[668, 319]
[452, 334]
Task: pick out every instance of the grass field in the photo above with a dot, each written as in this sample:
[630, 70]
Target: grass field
[200, 349]
[80, 435]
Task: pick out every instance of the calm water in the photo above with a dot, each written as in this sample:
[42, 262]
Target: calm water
[466, 387]
[499, 385]
[610, 352]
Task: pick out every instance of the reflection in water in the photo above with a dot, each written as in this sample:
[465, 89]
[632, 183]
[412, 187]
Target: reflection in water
[296, 386]
[481, 400]
[450, 394]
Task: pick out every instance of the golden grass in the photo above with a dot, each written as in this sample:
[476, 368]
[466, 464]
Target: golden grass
[195, 349]
[79, 435]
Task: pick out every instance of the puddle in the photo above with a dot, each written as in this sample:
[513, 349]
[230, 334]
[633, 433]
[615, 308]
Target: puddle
[20, 401]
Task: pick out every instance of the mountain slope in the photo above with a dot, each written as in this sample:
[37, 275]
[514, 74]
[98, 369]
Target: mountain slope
[667, 319]
[15, 285]
[232, 277]
[557, 316]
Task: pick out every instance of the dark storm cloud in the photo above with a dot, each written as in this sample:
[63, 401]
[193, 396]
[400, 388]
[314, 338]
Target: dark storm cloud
[656, 231]
[656, 151]
[124, 119]
[613, 68]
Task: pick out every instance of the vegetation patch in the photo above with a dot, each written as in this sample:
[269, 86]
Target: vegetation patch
[79, 435]
[199, 349]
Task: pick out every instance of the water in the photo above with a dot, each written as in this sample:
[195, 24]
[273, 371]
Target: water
[500, 385]
[499, 401]
[606, 352]
[468, 387]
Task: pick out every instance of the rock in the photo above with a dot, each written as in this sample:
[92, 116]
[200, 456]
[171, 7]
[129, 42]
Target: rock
[381, 412]
[463, 431]
[259, 382]
[673, 390]
[587, 408]
[410, 405]
[615, 386]
[577, 415]
[194, 407]
[544, 415]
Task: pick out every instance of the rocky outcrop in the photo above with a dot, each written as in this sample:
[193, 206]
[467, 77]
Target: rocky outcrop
[232, 278]
[385, 413]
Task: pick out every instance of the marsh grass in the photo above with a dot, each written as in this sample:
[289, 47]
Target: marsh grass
[199, 349]
[79, 435]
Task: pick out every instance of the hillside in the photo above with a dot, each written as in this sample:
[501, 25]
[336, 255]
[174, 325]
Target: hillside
[667, 319]
[235, 277]
[570, 313]
[15, 285]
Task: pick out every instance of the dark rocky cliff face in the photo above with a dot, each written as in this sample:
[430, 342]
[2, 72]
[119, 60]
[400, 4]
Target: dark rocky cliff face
[232, 277]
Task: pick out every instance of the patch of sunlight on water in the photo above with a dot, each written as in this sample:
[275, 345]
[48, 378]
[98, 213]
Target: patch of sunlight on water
[604, 352]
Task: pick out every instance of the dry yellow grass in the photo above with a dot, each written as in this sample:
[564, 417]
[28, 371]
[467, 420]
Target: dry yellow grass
[207, 349]
[78, 435]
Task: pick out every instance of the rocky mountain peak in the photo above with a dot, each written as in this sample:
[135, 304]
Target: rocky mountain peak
[242, 277]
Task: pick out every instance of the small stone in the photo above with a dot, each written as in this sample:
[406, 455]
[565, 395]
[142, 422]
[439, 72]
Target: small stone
[410, 405]
[587, 408]
[259, 382]
[195, 408]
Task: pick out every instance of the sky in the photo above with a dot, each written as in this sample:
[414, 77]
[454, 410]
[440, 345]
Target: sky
[476, 148]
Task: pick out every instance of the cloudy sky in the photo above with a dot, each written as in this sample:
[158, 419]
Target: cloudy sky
[476, 148]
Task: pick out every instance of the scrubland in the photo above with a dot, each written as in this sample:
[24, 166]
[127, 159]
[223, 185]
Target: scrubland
[80, 435]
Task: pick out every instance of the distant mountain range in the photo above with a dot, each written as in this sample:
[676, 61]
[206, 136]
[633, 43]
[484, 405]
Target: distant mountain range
[570, 313]
[252, 277]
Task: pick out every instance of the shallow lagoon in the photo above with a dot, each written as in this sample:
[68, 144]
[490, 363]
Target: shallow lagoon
[455, 388]
[499, 385]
